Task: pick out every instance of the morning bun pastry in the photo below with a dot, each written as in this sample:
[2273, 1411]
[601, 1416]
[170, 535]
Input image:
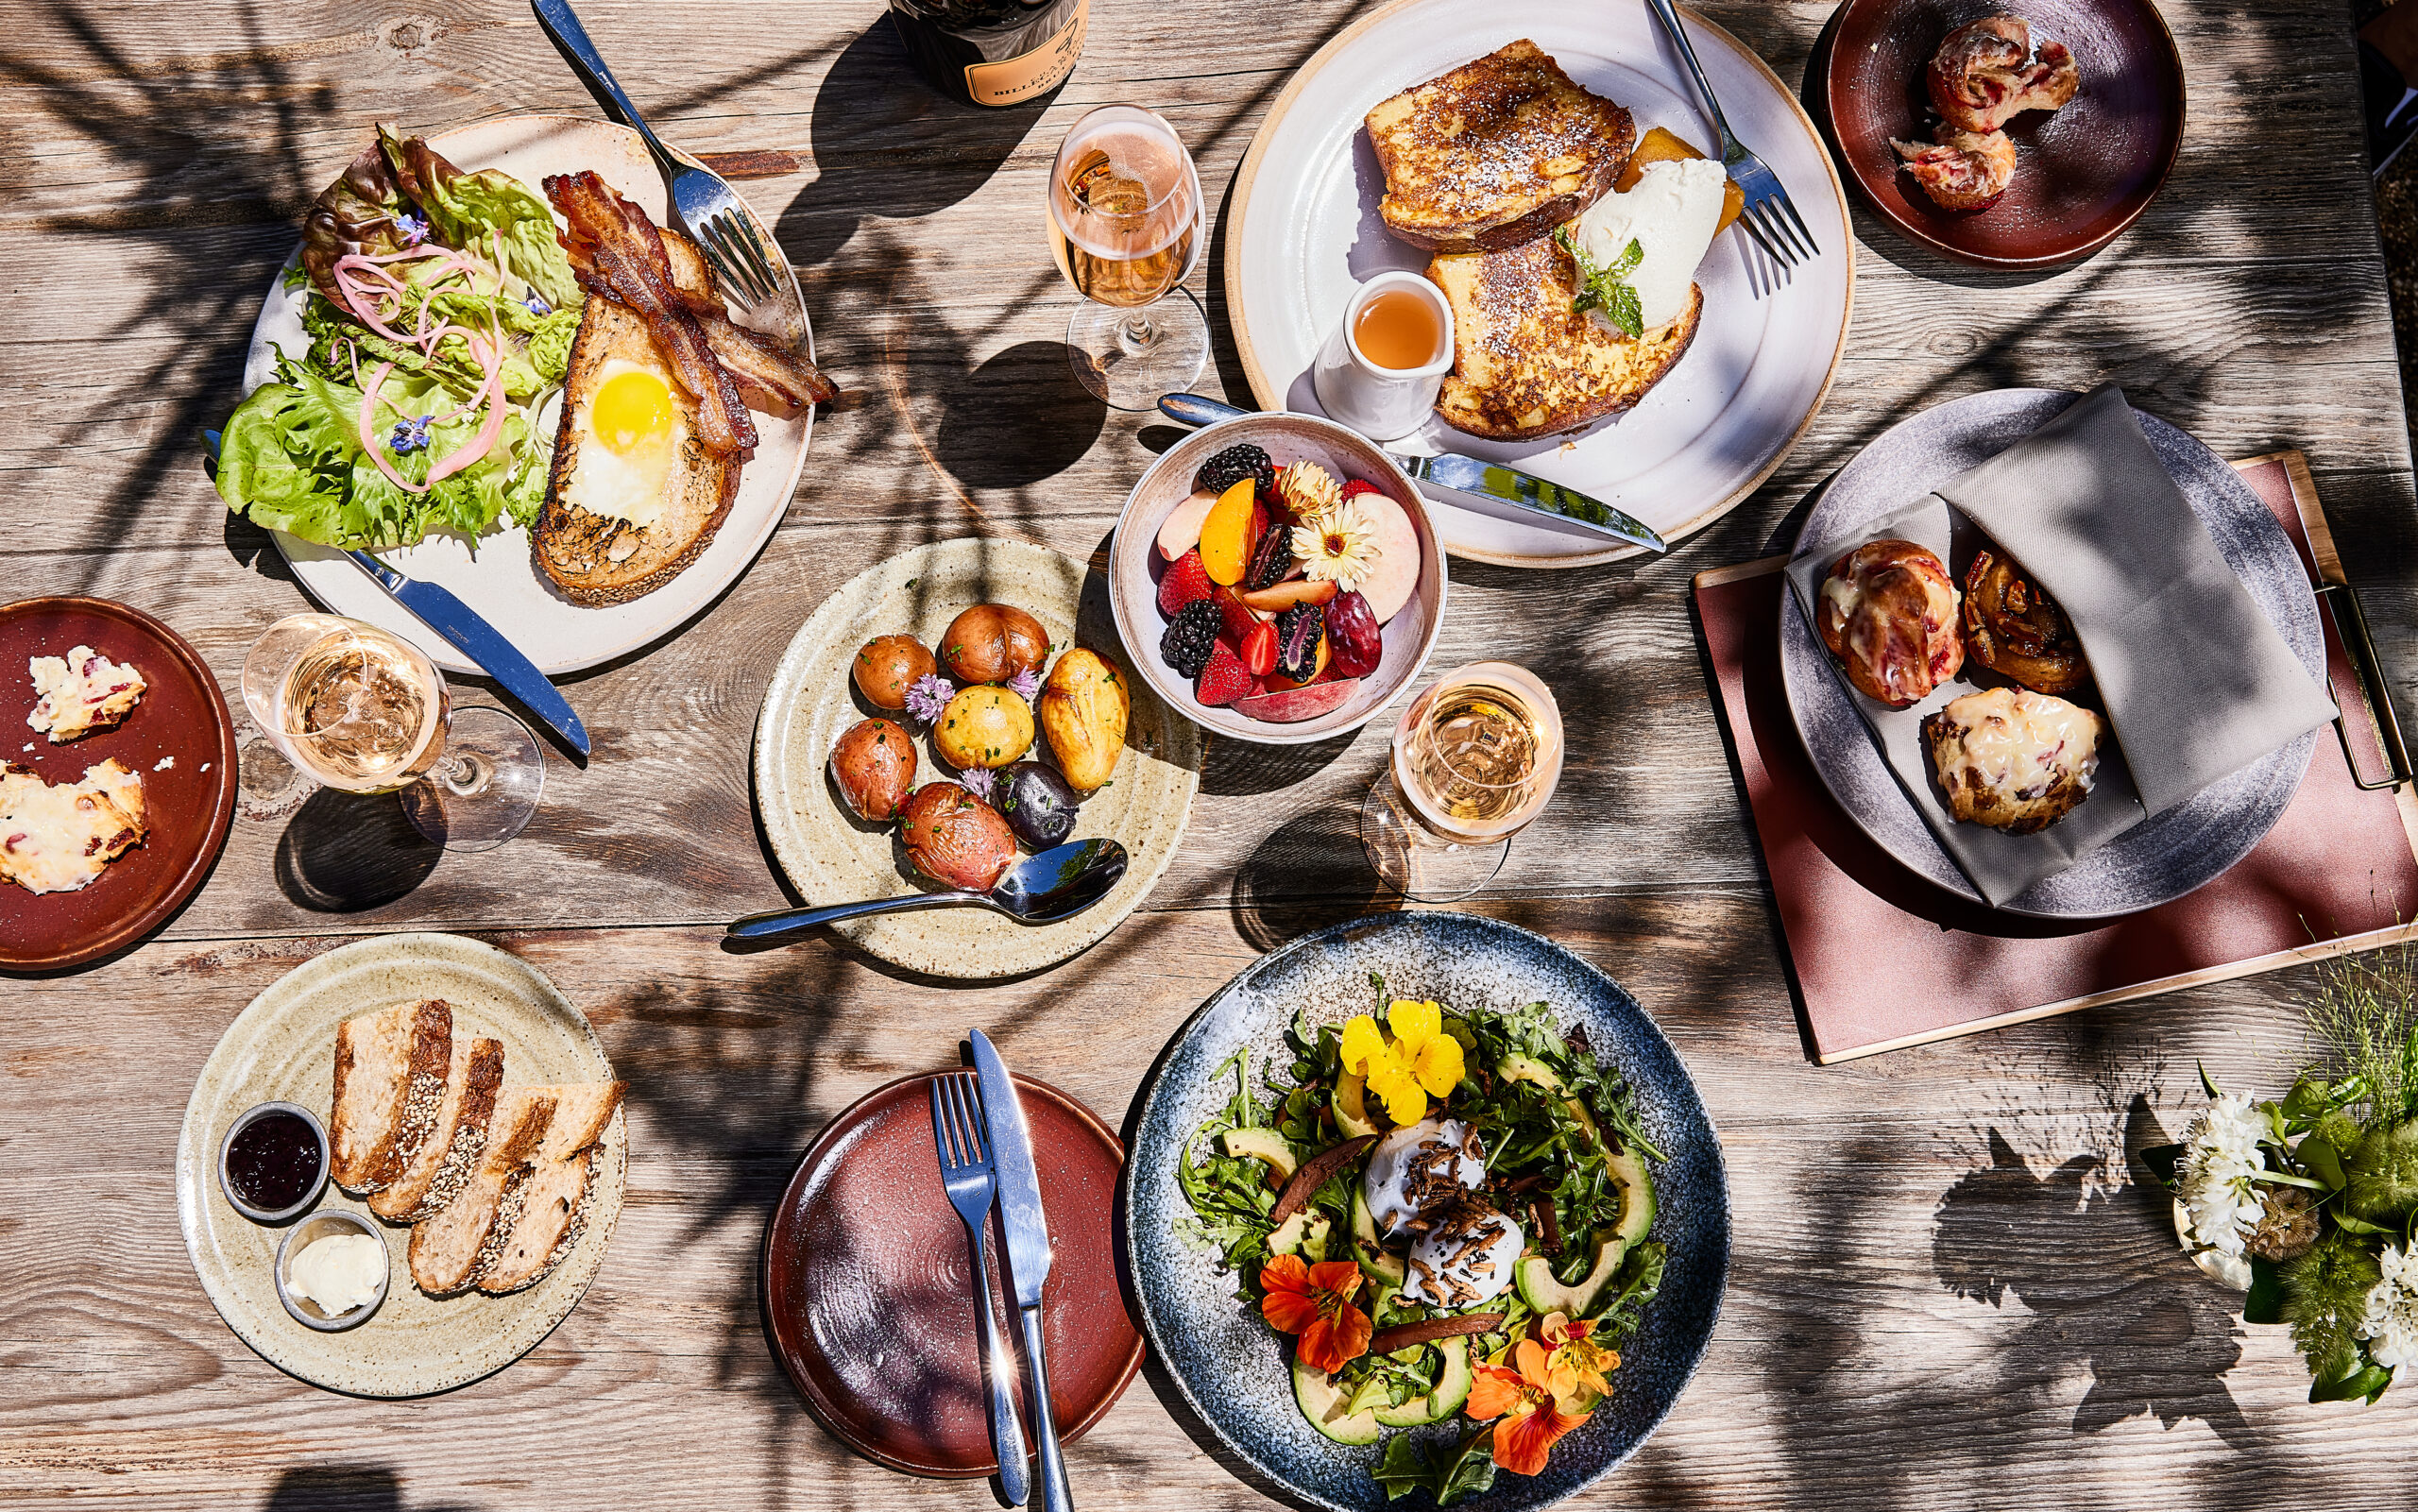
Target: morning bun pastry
[2017, 761]
[2017, 631]
[1888, 613]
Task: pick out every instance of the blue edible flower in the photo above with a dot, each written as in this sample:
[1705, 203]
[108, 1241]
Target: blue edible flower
[414, 228]
[411, 435]
[537, 304]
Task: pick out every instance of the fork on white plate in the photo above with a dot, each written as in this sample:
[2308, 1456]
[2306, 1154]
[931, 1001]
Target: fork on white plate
[1770, 216]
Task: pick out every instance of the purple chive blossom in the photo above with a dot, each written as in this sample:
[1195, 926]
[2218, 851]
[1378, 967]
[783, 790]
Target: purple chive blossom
[928, 696]
[979, 781]
[411, 435]
[1027, 684]
[414, 228]
[537, 304]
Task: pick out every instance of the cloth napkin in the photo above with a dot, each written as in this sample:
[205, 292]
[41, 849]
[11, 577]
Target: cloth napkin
[2196, 681]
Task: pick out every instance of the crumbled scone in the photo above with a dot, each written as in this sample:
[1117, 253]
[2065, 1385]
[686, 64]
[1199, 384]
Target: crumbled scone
[80, 693]
[58, 839]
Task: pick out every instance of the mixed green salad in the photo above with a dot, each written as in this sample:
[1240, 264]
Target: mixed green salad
[440, 316]
[1450, 1212]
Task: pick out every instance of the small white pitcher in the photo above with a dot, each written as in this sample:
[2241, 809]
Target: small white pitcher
[1382, 403]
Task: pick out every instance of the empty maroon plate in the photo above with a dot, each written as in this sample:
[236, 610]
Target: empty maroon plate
[868, 1283]
[2081, 175]
[179, 738]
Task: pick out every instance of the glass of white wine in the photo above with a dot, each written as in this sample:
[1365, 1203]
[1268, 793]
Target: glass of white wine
[1475, 759]
[362, 710]
[1125, 226]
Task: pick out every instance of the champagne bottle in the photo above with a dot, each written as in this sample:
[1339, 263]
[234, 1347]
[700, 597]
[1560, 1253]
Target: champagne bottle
[992, 52]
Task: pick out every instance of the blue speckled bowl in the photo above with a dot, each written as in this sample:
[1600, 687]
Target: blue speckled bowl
[1233, 1369]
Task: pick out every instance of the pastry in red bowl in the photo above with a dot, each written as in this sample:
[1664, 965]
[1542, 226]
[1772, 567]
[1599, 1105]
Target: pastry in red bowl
[1888, 614]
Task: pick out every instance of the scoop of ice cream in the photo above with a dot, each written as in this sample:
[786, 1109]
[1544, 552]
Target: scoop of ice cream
[1465, 1256]
[1420, 1169]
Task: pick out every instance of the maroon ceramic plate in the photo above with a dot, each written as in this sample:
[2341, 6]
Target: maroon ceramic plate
[189, 803]
[2083, 174]
[868, 1288]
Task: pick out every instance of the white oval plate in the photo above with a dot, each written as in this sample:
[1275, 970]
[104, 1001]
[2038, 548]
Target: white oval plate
[1305, 232]
[495, 574]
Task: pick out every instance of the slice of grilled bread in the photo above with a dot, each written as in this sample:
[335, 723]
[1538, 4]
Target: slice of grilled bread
[1495, 153]
[450, 1156]
[553, 1201]
[389, 1085]
[449, 1249]
[598, 558]
[1524, 365]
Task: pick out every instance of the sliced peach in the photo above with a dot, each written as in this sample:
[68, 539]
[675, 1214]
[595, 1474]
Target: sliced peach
[1394, 576]
[1182, 530]
[1282, 596]
[1294, 704]
[1658, 145]
[1225, 535]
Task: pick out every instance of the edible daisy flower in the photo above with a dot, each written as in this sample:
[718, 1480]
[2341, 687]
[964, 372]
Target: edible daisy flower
[1314, 1302]
[1307, 489]
[927, 696]
[415, 228]
[1337, 545]
[1025, 684]
[2216, 1174]
[411, 435]
[979, 781]
[1533, 1416]
[2391, 1323]
[1575, 1359]
[1422, 1061]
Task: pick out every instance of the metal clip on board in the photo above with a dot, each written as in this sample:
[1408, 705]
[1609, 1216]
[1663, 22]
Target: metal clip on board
[2341, 603]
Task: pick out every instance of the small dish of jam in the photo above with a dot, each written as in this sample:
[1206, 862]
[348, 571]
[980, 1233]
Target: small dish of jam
[273, 1163]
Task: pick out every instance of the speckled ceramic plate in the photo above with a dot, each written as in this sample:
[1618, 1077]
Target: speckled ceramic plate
[282, 1048]
[1233, 1369]
[2185, 848]
[832, 856]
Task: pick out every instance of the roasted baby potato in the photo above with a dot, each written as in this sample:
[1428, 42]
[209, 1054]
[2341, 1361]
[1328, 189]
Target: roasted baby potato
[874, 766]
[955, 837]
[887, 666]
[1084, 710]
[983, 727]
[992, 642]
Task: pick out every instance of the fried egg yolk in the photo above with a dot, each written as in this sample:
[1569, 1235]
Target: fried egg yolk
[633, 411]
[631, 430]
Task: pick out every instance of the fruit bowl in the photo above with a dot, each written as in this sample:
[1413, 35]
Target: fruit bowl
[1135, 567]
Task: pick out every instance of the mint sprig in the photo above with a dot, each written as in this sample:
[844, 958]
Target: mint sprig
[1605, 288]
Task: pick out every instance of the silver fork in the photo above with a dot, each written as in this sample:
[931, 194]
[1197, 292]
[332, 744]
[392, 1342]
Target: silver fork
[972, 1178]
[1770, 218]
[708, 210]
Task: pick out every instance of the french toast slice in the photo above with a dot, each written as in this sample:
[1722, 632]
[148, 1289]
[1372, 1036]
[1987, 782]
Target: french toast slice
[1495, 153]
[390, 1071]
[448, 1156]
[1524, 365]
[553, 1201]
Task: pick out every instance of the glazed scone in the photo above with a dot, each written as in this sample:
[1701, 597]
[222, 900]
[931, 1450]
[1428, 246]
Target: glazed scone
[2014, 759]
[1888, 613]
[1985, 75]
[1963, 170]
[58, 839]
[2014, 629]
[80, 693]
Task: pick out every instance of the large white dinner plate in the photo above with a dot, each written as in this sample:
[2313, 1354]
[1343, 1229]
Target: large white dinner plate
[495, 574]
[1305, 232]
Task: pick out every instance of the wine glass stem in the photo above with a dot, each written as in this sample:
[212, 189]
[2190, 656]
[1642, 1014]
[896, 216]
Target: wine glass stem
[461, 775]
[1135, 333]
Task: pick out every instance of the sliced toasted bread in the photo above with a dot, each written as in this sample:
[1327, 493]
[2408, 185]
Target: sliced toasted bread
[450, 1156]
[389, 1084]
[449, 1249]
[596, 557]
[1524, 365]
[1495, 153]
[553, 1201]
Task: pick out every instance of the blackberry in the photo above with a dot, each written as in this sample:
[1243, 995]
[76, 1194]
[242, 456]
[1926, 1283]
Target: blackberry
[1298, 630]
[1189, 636]
[1273, 559]
[1232, 466]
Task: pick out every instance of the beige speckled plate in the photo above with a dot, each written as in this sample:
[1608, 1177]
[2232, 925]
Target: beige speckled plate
[831, 857]
[281, 1047]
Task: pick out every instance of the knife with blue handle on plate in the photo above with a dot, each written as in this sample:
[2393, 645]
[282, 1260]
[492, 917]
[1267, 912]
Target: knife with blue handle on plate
[1029, 1252]
[1467, 475]
[470, 634]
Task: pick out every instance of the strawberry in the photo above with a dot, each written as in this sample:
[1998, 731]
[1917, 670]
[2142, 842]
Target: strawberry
[1240, 621]
[1259, 522]
[1259, 649]
[1224, 680]
[1355, 486]
[1185, 580]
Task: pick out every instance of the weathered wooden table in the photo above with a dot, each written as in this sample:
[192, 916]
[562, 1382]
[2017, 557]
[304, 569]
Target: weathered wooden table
[1950, 1288]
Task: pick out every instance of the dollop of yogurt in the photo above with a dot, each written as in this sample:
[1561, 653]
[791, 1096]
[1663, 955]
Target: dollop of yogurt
[1672, 214]
[1420, 1170]
[1465, 1257]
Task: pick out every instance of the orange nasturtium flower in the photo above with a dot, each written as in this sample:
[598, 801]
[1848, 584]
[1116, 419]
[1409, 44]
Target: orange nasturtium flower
[1577, 1360]
[1421, 1062]
[1533, 1418]
[1315, 1303]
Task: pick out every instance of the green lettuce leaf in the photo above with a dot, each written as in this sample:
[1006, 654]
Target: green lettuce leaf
[468, 211]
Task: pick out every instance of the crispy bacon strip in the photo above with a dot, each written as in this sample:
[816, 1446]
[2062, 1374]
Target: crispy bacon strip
[615, 251]
[771, 377]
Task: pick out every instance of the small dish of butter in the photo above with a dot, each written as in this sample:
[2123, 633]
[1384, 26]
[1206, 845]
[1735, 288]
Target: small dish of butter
[332, 1270]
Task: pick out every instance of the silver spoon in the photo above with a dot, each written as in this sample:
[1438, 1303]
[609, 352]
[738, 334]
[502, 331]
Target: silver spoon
[1056, 884]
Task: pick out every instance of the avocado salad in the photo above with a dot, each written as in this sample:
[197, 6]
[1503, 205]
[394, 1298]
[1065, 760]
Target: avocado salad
[1449, 1214]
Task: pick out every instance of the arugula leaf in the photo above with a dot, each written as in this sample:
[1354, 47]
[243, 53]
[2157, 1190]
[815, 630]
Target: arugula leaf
[1605, 288]
[1448, 1471]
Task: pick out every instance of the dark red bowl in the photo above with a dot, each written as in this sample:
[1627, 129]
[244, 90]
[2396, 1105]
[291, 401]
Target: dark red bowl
[868, 1283]
[2083, 174]
[188, 803]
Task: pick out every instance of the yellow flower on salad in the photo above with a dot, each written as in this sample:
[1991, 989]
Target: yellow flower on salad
[1422, 1061]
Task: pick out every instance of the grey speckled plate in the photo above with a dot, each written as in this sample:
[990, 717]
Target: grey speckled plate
[832, 856]
[282, 1048]
[1234, 1370]
[2184, 848]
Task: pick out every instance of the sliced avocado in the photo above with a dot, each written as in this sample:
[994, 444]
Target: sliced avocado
[1364, 1223]
[1304, 1233]
[1541, 1290]
[1323, 1403]
[1261, 1143]
[1384, 1269]
[1352, 1108]
[1518, 1067]
[1451, 1389]
[1627, 1168]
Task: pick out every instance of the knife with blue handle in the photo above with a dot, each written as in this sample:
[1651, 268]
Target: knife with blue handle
[466, 633]
[1029, 1251]
[1470, 476]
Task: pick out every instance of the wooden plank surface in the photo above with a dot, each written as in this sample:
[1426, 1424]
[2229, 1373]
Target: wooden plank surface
[1950, 1288]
